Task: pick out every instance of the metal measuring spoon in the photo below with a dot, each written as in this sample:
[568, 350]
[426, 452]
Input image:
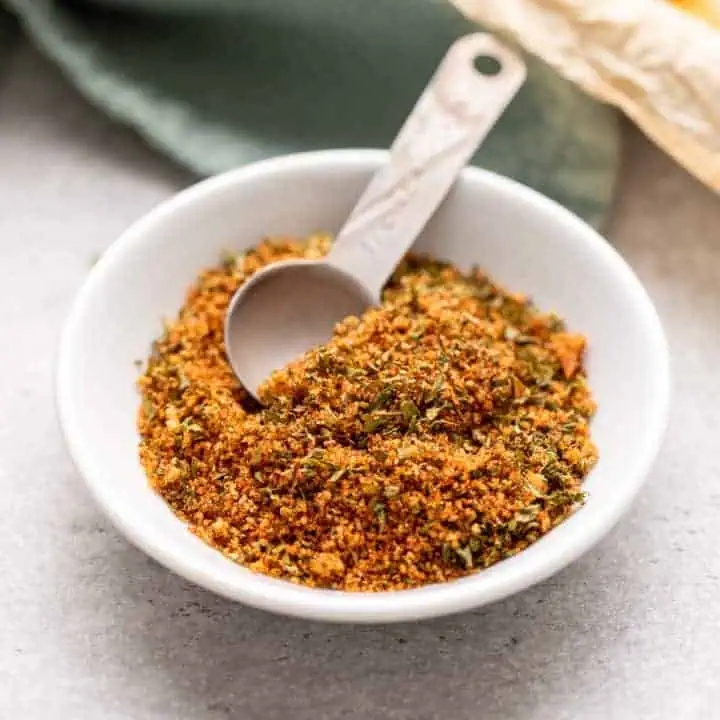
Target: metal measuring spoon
[290, 307]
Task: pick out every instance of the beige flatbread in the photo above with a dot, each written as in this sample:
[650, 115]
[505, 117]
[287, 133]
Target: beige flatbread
[658, 63]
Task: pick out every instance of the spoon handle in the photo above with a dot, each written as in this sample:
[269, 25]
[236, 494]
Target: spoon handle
[452, 117]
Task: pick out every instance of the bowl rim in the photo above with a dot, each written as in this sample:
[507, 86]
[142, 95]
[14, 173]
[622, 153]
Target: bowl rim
[337, 606]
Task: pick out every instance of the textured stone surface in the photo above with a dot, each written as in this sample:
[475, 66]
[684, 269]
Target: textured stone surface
[92, 628]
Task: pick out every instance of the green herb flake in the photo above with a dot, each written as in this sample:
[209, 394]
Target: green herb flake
[380, 512]
[338, 475]
[148, 408]
[465, 555]
[382, 399]
[373, 423]
[228, 259]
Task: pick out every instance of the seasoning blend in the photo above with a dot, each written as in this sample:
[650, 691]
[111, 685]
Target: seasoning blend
[439, 433]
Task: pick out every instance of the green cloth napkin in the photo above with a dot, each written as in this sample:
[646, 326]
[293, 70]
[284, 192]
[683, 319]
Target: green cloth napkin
[219, 83]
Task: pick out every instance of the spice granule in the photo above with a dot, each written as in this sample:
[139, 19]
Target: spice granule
[439, 433]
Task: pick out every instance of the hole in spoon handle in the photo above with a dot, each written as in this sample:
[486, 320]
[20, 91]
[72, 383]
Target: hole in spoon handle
[450, 120]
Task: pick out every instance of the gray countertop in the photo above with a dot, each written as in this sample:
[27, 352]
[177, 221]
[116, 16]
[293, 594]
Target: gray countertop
[91, 628]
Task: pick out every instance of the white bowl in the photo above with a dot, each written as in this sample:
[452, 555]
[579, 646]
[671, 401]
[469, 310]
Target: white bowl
[521, 238]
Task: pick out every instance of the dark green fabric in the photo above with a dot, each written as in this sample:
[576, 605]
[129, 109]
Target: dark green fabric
[218, 83]
[8, 36]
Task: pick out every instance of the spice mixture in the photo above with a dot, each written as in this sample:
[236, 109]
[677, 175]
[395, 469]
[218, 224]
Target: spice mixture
[434, 435]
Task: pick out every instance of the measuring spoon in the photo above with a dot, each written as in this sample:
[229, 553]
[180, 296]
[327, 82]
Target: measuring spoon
[292, 306]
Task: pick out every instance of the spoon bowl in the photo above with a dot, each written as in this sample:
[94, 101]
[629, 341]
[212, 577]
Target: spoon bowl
[283, 310]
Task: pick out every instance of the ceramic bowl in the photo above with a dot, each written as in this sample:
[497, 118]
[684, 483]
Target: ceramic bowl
[524, 240]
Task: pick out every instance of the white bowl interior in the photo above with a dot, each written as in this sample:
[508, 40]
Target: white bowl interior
[522, 239]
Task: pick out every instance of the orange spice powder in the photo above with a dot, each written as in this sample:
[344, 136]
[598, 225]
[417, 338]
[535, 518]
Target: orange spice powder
[435, 435]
